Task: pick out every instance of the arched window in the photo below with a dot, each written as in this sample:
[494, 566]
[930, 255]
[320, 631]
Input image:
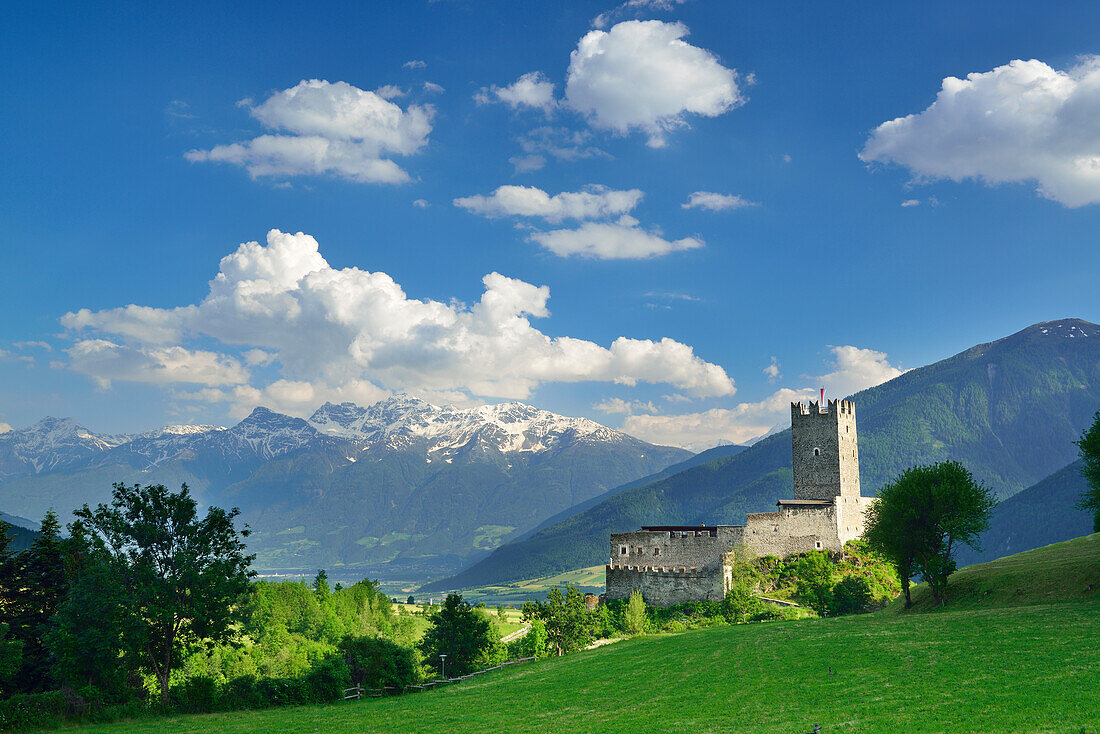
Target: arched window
[817, 452]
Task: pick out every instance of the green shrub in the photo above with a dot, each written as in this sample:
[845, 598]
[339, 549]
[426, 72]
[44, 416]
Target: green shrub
[374, 662]
[33, 711]
[328, 679]
[195, 695]
[851, 595]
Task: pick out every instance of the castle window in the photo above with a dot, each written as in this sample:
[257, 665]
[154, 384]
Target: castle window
[817, 452]
[623, 550]
[817, 544]
[639, 550]
[656, 551]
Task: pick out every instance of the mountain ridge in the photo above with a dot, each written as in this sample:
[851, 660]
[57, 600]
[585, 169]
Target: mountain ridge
[1008, 409]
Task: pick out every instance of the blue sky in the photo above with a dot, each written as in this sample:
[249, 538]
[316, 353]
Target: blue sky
[123, 188]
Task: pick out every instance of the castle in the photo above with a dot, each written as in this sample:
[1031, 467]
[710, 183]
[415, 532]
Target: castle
[672, 564]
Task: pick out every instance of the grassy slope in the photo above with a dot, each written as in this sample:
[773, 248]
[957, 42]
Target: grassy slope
[1058, 572]
[1003, 662]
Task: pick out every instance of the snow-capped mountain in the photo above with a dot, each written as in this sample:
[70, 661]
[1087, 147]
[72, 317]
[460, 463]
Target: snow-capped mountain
[401, 422]
[49, 444]
[398, 482]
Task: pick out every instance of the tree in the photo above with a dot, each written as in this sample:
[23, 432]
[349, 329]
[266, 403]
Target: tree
[851, 595]
[1089, 446]
[924, 515]
[635, 615]
[38, 583]
[11, 654]
[461, 633]
[741, 601]
[891, 529]
[569, 623]
[320, 586]
[411, 601]
[181, 575]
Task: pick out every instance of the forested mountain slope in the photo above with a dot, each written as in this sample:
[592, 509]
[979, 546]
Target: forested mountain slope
[1009, 410]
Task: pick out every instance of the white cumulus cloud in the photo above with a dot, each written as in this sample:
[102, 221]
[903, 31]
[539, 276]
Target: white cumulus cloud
[104, 361]
[532, 89]
[620, 240]
[336, 128]
[641, 75]
[601, 20]
[852, 369]
[1023, 121]
[715, 202]
[355, 332]
[595, 202]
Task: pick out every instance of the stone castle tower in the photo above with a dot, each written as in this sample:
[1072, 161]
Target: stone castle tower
[824, 451]
[672, 564]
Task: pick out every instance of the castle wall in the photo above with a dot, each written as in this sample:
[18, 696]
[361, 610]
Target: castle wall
[852, 516]
[793, 530]
[674, 548]
[824, 450]
[664, 587]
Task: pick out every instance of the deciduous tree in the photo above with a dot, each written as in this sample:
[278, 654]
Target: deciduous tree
[1089, 446]
[924, 515]
[181, 575]
[569, 623]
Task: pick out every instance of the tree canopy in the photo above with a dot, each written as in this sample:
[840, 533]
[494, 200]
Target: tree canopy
[181, 575]
[1089, 446]
[923, 516]
[460, 632]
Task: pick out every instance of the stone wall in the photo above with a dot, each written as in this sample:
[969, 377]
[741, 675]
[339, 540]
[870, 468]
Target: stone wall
[670, 548]
[664, 586]
[793, 530]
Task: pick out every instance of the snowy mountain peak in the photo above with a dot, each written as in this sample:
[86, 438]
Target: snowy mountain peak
[50, 443]
[402, 420]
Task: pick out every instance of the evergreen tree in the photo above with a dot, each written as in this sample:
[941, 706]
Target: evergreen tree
[1089, 446]
[320, 586]
[461, 633]
[38, 585]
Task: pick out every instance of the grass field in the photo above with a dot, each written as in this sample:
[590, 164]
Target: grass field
[515, 593]
[1023, 658]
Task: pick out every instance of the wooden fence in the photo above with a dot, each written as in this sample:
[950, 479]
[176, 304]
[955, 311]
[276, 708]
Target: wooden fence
[358, 692]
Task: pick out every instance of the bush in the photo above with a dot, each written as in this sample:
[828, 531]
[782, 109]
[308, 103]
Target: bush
[32, 711]
[851, 595]
[195, 695]
[328, 679]
[374, 662]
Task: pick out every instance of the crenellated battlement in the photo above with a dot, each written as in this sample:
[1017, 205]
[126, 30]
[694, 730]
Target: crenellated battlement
[684, 571]
[833, 408]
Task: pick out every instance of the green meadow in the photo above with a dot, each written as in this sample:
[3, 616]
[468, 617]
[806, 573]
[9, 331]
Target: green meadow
[1018, 650]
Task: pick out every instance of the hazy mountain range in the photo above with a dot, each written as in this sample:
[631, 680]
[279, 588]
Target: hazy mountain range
[402, 482]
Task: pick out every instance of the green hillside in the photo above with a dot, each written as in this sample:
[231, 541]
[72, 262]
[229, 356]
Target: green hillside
[1044, 513]
[998, 661]
[1066, 571]
[1008, 410]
